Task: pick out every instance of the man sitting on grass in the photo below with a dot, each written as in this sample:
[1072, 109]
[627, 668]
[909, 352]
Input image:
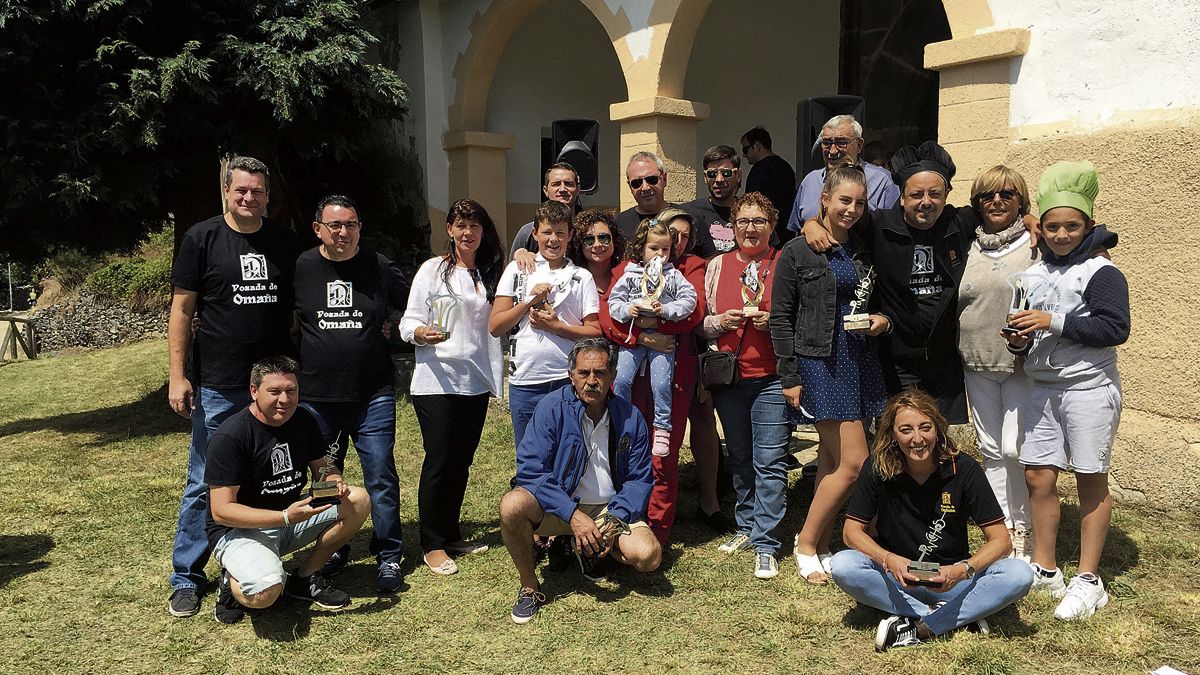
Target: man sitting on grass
[256, 471]
[583, 469]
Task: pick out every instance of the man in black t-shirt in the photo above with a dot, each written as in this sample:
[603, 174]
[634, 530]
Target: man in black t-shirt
[723, 175]
[235, 270]
[343, 292]
[771, 175]
[258, 463]
[646, 176]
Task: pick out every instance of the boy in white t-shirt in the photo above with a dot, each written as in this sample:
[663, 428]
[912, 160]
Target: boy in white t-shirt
[549, 309]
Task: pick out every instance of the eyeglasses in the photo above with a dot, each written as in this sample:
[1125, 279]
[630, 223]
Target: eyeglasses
[636, 183]
[711, 174]
[841, 143]
[745, 149]
[745, 223]
[1006, 195]
[339, 225]
[591, 239]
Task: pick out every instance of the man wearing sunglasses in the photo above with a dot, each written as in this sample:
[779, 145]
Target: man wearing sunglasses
[713, 233]
[771, 175]
[646, 177]
[841, 139]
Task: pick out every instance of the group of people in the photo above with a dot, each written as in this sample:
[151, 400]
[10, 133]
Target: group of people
[624, 331]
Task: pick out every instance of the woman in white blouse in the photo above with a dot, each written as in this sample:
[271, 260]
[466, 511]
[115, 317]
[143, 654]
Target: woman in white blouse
[458, 367]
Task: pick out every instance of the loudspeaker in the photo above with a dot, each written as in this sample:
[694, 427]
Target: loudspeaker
[811, 114]
[575, 142]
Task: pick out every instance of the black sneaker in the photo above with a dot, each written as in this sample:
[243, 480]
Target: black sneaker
[593, 568]
[227, 609]
[896, 631]
[337, 562]
[529, 600]
[390, 577]
[316, 589]
[559, 553]
[184, 602]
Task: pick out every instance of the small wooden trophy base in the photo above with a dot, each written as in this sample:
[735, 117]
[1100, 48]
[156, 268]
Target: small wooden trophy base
[324, 492]
[856, 321]
[923, 571]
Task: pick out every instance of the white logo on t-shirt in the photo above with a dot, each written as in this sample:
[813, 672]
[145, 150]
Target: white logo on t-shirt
[922, 259]
[339, 294]
[254, 267]
[281, 459]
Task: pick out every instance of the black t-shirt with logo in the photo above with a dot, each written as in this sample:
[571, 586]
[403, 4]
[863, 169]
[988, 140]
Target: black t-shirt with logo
[926, 281]
[713, 233]
[342, 306]
[244, 288]
[269, 465]
[934, 514]
[629, 219]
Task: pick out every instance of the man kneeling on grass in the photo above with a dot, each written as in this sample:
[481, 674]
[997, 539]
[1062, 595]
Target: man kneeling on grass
[256, 471]
[583, 470]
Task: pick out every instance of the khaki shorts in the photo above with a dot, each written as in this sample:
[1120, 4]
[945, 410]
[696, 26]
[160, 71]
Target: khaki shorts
[552, 525]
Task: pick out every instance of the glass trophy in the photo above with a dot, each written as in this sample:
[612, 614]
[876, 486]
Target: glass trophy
[442, 312]
[858, 319]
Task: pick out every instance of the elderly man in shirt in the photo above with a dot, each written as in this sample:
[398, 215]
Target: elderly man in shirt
[841, 141]
[583, 470]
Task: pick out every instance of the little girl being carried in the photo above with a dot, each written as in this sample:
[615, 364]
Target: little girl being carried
[651, 290]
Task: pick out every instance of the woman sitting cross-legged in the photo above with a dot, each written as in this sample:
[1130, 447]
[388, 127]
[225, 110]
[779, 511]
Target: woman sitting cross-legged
[920, 491]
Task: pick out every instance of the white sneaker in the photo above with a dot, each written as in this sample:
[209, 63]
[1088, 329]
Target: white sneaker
[1053, 585]
[1022, 543]
[739, 542]
[1084, 596]
[765, 566]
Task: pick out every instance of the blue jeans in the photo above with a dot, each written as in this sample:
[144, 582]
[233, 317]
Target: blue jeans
[372, 427]
[523, 398]
[662, 376]
[190, 552]
[992, 589]
[755, 419]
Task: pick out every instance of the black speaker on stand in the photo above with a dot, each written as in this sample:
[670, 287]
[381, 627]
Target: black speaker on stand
[811, 114]
[576, 143]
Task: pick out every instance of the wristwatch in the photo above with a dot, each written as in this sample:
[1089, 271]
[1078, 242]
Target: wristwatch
[969, 566]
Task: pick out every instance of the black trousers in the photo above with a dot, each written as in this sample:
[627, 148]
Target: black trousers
[451, 425]
[940, 376]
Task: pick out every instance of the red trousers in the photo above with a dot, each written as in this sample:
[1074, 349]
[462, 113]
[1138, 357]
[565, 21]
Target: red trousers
[660, 513]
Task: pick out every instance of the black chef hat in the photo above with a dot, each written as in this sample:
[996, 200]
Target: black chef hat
[929, 156]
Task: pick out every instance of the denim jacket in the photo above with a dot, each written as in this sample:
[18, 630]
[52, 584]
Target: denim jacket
[804, 307]
[553, 456]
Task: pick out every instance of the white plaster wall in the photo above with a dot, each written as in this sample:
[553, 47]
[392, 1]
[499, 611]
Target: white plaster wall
[559, 64]
[753, 61]
[1097, 63]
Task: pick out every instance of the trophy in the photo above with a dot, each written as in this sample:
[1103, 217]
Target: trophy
[1019, 302]
[653, 282]
[752, 289]
[326, 491]
[924, 571]
[441, 312]
[858, 319]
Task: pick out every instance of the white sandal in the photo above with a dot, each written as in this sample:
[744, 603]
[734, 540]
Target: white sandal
[808, 565]
[826, 563]
[445, 569]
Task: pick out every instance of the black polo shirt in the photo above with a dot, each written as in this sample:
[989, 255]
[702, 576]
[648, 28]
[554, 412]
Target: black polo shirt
[934, 514]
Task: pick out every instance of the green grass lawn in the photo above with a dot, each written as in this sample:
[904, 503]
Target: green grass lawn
[93, 467]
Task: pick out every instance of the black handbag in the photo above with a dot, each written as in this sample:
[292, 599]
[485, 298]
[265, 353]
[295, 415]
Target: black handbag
[719, 369]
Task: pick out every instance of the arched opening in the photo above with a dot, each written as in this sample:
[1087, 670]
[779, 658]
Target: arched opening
[559, 63]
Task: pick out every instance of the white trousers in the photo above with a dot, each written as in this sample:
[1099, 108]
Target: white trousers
[997, 402]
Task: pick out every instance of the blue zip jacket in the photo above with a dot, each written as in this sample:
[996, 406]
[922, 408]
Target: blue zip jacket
[553, 455]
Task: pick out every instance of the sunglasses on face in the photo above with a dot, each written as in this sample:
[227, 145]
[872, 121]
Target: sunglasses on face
[591, 239]
[636, 183]
[1006, 195]
[745, 149]
[711, 174]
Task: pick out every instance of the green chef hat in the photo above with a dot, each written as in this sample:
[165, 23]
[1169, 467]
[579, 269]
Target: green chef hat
[1073, 184]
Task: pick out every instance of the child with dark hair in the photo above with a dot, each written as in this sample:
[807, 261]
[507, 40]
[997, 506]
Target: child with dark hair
[1078, 314]
[632, 299]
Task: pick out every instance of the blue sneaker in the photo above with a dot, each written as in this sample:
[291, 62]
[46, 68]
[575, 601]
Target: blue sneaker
[390, 577]
[529, 600]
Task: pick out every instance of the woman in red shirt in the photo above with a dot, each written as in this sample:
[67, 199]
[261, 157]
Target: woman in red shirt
[752, 410]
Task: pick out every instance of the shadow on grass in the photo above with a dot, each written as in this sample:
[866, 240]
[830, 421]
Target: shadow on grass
[1121, 553]
[148, 416]
[290, 619]
[1007, 622]
[20, 555]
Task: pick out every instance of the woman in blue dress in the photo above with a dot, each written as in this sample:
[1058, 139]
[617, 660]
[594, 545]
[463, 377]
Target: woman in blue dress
[829, 374]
